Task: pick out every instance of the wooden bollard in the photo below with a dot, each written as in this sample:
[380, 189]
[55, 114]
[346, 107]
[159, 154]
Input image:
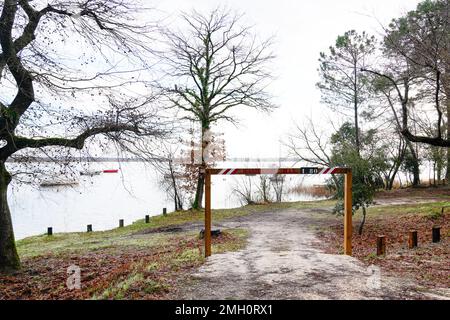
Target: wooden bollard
[147, 219]
[164, 211]
[89, 228]
[49, 231]
[412, 239]
[436, 234]
[381, 245]
[121, 223]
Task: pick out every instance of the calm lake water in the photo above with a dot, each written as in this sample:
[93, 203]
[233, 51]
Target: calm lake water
[102, 200]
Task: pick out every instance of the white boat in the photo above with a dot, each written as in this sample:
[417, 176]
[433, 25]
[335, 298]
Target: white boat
[49, 184]
[91, 173]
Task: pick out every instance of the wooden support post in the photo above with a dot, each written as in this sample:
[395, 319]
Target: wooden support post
[381, 245]
[412, 239]
[147, 219]
[207, 213]
[348, 214]
[164, 211]
[89, 228]
[436, 234]
[49, 231]
[121, 223]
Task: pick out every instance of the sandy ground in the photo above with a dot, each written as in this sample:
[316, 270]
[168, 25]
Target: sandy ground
[283, 261]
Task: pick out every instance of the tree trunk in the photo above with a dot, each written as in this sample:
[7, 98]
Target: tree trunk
[446, 84]
[355, 106]
[447, 173]
[9, 259]
[198, 201]
[361, 225]
[416, 166]
[199, 192]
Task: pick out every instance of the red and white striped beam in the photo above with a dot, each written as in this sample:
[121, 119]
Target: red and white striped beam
[254, 171]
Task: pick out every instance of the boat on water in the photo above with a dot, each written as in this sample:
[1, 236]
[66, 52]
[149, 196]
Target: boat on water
[49, 184]
[111, 171]
[90, 173]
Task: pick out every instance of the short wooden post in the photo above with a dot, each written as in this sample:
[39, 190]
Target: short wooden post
[89, 228]
[147, 219]
[412, 239]
[164, 211]
[381, 245]
[49, 231]
[348, 214]
[121, 223]
[207, 213]
[436, 234]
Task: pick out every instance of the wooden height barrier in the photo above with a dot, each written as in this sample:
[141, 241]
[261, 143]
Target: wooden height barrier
[250, 172]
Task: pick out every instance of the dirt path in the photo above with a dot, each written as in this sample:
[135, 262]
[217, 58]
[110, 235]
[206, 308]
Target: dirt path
[282, 261]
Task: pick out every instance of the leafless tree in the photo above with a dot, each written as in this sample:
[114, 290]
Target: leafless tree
[277, 181]
[244, 191]
[69, 72]
[416, 51]
[264, 188]
[213, 65]
[311, 145]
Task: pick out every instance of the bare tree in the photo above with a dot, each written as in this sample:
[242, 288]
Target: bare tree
[171, 176]
[53, 98]
[243, 190]
[310, 145]
[386, 94]
[277, 181]
[212, 66]
[416, 47]
[264, 188]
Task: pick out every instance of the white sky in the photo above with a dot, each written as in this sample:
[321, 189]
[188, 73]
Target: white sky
[302, 29]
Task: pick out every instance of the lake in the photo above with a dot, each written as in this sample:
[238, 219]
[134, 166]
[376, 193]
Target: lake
[102, 200]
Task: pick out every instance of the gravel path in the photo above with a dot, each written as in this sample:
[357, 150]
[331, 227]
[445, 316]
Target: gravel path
[282, 261]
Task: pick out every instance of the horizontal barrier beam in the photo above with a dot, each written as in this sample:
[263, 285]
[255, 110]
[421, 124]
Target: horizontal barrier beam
[256, 171]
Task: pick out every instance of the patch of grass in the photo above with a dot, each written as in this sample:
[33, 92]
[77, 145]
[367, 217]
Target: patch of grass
[154, 287]
[119, 289]
[189, 256]
[240, 241]
[425, 209]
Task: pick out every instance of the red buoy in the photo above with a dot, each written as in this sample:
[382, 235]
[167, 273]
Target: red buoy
[111, 171]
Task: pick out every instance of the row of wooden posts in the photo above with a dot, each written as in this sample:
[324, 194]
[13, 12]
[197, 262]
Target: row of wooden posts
[121, 223]
[412, 240]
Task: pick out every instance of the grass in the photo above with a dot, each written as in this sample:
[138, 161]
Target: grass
[430, 209]
[60, 243]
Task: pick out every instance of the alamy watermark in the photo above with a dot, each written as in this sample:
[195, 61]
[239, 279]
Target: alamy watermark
[74, 277]
[374, 279]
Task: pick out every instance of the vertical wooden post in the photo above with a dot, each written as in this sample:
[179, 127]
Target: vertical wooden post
[381, 245]
[121, 223]
[49, 231]
[207, 213]
[436, 234]
[164, 211]
[348, 213]
[412, 240]
[147, 219]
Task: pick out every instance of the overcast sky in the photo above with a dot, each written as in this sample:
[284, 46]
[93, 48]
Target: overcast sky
[302, 29]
